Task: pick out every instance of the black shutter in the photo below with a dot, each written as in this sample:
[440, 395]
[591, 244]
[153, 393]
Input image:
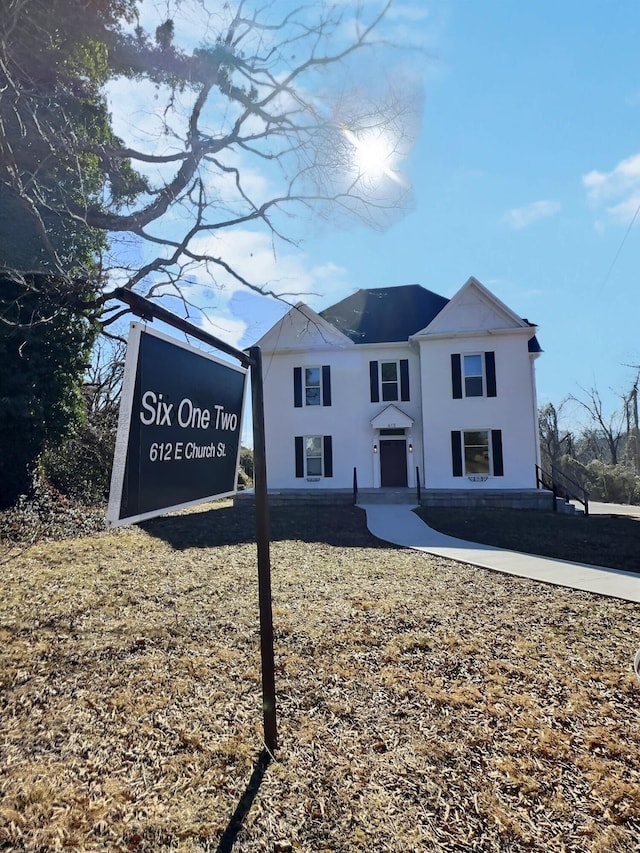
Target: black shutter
[456, 452]
[404, 379]
[496, 446]
[328, 456]
[299, 456]
[456, 376]
[297, 387]
[373, 381]
[490, 367]
[326, 385]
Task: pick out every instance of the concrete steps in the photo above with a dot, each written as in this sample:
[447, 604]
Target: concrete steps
[569, 507]
[388, 496]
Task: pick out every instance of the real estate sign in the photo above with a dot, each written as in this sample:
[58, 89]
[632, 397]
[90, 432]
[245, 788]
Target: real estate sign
[178, 440]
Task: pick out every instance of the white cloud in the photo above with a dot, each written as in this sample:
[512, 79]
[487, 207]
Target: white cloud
[288, 274]
[620, 180]
[253, 256]
[625, 210]
[408, 12]
[521, 217]
[619, 189]
[228, 328]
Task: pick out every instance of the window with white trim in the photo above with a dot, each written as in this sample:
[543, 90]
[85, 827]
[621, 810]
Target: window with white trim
[476, 456]
[473, 375]
[312, 386]
[389, 380]
[477, 453]
[314, 456]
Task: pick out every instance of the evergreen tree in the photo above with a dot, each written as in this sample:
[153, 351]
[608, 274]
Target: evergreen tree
[52, 71]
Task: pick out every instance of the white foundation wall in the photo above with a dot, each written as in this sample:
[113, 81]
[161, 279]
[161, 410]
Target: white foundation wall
[513, 410]
[347, 420]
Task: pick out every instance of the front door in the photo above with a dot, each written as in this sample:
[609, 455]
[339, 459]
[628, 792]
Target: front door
[393, 463]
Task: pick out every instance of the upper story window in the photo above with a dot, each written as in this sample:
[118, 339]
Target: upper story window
[389, 380]
[473, 374]
[312, 386]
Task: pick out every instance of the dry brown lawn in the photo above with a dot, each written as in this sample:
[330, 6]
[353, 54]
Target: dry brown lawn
[423, 705]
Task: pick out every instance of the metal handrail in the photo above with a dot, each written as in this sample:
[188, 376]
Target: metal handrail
[418, 484]
[355, 486]
[557, 481]
[572, 490]
[544, 480]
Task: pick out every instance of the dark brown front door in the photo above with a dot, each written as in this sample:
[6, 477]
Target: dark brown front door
[393, 463]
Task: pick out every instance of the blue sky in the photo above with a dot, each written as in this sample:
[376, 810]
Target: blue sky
[525, 174]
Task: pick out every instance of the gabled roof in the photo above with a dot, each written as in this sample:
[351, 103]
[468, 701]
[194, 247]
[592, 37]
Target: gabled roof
[384, 314]
[473, 308]
[302, 327]
[391, 416]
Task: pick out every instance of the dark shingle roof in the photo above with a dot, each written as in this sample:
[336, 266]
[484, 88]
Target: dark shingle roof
[534, 345]
[384, 314]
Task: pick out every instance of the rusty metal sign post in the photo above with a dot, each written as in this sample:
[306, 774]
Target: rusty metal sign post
[147, 310]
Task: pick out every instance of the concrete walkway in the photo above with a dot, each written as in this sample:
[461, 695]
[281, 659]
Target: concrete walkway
[614, 509]
[398, 524]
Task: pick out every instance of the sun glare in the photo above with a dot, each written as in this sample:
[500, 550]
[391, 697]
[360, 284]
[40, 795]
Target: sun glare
[374, 154]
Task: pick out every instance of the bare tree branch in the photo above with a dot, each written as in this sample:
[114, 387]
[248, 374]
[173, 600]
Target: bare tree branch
[257, 99]
[609, 426]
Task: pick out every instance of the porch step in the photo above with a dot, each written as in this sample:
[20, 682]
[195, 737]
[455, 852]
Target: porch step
[388, 496]
[564, 507]
[570, 507]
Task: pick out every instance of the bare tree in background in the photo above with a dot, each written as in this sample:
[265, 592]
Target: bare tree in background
[555, 442]
[607, 428]
[602, 454]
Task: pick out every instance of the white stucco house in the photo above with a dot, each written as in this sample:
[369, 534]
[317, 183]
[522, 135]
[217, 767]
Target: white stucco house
[402, 384]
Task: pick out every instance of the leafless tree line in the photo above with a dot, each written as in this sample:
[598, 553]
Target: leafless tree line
[603, 454]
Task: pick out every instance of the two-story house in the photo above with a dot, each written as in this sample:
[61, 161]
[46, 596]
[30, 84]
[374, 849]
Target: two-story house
[399, 383]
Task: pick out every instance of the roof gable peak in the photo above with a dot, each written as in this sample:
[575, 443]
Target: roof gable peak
[302, 327]
[473, 308]
[391, 416]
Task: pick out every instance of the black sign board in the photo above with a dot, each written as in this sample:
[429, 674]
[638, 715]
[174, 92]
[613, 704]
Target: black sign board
[178, 441]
